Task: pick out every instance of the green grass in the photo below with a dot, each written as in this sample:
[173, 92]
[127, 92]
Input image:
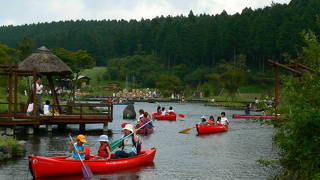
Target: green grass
[227, 104]
[98, 81]
[8, 141]
[17, 150]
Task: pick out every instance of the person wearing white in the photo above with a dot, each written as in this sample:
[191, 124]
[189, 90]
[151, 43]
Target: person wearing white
[170, 110]
[163, 111]
[224, 120]
[30, 109]
[141, 112]
[39, 90]
[47, 108]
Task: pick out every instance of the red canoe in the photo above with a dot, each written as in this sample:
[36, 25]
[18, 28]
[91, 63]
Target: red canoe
[239, 116]
[57, 166]
[209, 129]
[168, 117]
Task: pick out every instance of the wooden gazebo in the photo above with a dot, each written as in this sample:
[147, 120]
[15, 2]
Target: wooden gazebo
[44, 63]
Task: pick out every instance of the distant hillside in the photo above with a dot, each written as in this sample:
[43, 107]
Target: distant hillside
[194, 40]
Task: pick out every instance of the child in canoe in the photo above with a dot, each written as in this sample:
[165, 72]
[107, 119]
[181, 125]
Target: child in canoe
[159, 110]
[77, 149]
[104, 152]
[211, 121]
[203, 121]
[170, 111]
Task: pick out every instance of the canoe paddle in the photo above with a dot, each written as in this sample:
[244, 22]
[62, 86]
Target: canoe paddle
[186, 130]
[116, 143]
[86, 171]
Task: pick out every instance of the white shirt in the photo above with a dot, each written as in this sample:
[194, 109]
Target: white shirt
[163, 113]
[170, 111]
[224, 120]
[30, 108]
[39, 88]
[141, 116]
[46, 109]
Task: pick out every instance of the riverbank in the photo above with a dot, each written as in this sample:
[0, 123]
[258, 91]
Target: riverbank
[11, 148]
[220, 102]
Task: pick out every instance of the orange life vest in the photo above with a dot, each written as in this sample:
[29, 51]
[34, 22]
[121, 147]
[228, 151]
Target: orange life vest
[102, 152]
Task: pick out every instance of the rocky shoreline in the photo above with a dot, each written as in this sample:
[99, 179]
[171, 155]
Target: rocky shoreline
[11, 148]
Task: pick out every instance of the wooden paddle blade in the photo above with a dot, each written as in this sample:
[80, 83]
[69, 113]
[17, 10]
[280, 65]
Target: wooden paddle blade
[181, 115]
[186, 130]
[87, 173]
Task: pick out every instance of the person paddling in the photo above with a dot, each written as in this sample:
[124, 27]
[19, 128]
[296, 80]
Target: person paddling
[129, 143]
[80, 150]
[104, 151]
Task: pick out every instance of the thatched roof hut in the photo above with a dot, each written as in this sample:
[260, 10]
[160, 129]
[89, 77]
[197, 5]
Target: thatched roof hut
[45, 63]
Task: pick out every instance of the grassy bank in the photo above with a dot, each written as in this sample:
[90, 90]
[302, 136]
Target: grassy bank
[10, 148]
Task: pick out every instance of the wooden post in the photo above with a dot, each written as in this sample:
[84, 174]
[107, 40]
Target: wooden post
[276, 88]
[80, 111]
[105, 127]
[111, 111]
[10, 91]
[16, 81]
[54, 94]
[35, 104]
[82, 127]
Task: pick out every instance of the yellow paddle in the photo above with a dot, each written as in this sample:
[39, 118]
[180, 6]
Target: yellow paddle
[186, 130]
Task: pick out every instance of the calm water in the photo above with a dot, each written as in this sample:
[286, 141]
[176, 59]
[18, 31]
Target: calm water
[230, 155]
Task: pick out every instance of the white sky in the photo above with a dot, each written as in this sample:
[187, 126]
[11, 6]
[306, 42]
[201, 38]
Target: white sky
[19, 12]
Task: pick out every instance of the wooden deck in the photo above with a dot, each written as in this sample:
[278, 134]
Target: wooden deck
[68, 117]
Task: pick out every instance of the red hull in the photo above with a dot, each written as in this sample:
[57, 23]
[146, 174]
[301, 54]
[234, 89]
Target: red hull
[145, 131]
[57, 166]
[209, 129]
[239, 116]
[169, 117]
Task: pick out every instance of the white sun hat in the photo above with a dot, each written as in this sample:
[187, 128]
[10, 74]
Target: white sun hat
[128, 127]
[203, 117]
[104, 138]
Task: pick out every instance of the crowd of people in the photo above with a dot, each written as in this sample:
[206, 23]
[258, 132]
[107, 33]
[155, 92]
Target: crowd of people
[137, 93]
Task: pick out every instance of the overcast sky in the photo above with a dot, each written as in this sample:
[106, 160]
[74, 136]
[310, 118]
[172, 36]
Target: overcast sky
[18, 12]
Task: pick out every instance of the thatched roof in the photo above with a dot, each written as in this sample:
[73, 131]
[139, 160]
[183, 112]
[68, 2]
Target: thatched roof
[45, 62]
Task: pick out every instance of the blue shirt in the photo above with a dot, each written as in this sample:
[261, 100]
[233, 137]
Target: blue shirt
[80, 149]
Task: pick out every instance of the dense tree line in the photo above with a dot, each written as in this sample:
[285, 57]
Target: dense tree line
[195, 40]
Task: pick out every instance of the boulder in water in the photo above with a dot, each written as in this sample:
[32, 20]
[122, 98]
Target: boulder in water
[129, 112]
